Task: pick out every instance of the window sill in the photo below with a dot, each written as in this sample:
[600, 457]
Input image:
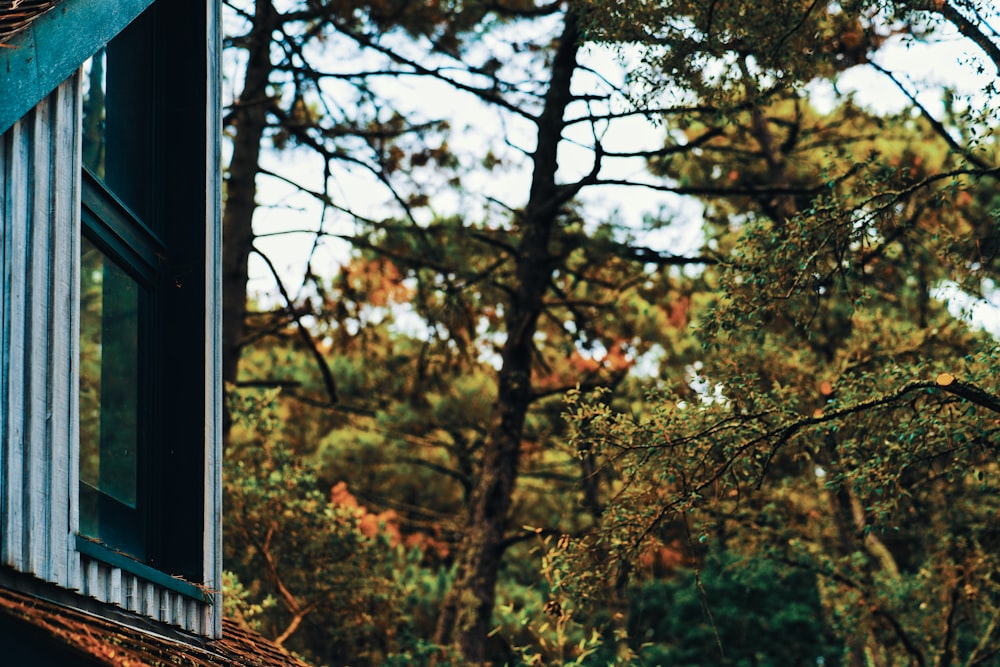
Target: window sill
[101, 553]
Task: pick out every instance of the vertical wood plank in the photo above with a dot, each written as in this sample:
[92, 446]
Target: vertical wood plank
[207, 615]
[170, 607]
[192, 617]
[131, 586]
[212, 548]
[62, 378]
[37, 452]
[116, 594]
[150, 600]
[73, 350]
[92, 579]
[163, 611]
[106, 575]
[177, 609]
[20, 193]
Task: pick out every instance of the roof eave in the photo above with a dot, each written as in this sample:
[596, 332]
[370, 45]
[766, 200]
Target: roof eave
[16, 15]
[53, 46]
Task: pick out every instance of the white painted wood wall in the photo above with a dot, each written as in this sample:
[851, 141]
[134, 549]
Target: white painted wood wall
[39, 213]
[39, 374]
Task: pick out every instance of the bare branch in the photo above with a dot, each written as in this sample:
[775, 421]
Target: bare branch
[307, 339]
[935, 123]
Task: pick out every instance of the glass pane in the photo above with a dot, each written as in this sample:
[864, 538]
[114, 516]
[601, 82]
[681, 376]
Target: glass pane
[94, 115]
[109, 382]
[117, 117]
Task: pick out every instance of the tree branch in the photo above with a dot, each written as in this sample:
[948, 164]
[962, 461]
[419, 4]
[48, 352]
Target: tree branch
[307, 339]
[934, 122]
[291, 603]
[968, 29]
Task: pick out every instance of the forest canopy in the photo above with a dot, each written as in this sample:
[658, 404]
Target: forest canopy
[618, 332]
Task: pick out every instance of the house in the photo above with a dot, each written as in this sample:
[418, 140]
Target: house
[110, 396]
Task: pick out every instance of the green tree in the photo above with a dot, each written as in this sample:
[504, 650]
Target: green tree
[761, 612]
[848, 432]
[455, 329]
[532, 286]
[301, 567]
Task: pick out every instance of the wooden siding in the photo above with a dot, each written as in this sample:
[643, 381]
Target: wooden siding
[128, 591]
[39, 374]
[213, 299]
[39, 213]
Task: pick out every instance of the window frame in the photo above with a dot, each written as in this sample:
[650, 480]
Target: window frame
[128, 243]
[164, 247]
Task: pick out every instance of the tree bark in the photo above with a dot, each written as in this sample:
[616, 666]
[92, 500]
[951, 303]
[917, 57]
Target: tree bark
[466, 615]
[249, 122]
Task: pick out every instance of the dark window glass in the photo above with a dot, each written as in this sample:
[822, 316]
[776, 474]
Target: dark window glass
[142, 363]
[94, 116]
[111, 429]
[118, 117]
[109, 376]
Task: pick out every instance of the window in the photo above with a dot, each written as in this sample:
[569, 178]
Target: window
[119, 295]
[110, 393]
[142, 310]
[110, 438]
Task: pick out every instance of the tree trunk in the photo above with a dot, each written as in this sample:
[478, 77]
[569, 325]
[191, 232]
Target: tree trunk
[250, 120]
[468, 608]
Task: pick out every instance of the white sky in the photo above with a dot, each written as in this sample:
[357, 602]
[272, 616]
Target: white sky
[944, 63]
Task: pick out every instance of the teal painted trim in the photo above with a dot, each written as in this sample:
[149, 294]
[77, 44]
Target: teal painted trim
[54, 46]
[120, 228]
[99, 552]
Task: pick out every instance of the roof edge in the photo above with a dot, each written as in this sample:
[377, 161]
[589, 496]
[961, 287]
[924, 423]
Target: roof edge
[113, 637]
[43, 55]
[16, 15]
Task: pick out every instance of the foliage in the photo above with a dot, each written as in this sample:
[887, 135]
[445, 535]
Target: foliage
[304, 571]
[736, 610]
[851, 412]
[788, 427]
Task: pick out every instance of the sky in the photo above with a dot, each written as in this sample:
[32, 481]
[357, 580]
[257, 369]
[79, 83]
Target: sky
[945, 63]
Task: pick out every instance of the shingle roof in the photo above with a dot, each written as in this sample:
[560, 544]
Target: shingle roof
[116, 645]
[16, 15]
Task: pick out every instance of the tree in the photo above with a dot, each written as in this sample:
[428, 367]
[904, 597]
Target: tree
[302, 555]
[515, 267]
[285, 101]
[821, 228]
[852, 413]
